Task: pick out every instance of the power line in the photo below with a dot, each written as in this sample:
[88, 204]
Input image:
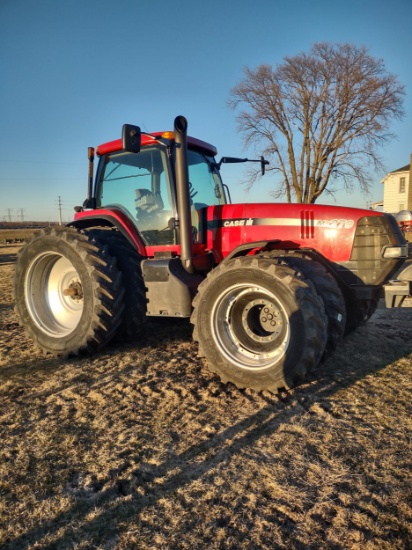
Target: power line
[59, 205]
[40, 162]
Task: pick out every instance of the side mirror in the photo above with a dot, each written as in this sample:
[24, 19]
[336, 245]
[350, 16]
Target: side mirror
[263, 164]
[224, 160]
[131, 138]
[230, 160]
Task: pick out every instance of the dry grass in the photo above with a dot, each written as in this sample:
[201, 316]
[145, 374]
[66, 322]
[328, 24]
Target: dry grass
[15, 234]
[141, 447]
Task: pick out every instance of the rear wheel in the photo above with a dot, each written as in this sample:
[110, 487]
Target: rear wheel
[128, 261]
[258, 325]
[68, 292]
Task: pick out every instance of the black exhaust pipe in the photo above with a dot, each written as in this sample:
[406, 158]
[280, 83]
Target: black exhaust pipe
[183, 196]
[90, 156]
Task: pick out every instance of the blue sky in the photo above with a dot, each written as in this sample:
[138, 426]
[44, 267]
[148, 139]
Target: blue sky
[72, 73]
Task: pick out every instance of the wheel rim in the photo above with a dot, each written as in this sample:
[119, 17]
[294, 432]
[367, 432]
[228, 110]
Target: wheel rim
[250, 326]
[54, 294]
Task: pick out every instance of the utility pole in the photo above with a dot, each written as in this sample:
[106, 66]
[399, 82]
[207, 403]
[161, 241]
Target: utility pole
[59, 204]
[21, 214]
[9, 213]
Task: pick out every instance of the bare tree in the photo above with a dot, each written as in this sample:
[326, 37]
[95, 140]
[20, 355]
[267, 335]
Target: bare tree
[321, 117]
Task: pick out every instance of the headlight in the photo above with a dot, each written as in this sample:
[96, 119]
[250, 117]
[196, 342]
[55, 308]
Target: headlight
[396, 251]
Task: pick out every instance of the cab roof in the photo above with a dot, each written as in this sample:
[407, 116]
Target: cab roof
[149, 139]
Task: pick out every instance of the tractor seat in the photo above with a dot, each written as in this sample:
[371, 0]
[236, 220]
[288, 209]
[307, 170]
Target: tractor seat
[148, 202]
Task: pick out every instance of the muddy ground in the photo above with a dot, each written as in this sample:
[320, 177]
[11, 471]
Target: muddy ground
[140, 446]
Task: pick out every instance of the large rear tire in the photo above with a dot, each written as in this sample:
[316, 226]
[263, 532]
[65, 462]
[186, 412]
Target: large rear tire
[68, 292]
[259, 325]
[128, 261]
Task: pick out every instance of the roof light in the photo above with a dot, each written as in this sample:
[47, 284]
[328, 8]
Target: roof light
[168, 135]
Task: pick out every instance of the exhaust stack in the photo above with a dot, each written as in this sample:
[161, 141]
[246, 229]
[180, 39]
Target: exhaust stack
[90, 156]
[183, 197]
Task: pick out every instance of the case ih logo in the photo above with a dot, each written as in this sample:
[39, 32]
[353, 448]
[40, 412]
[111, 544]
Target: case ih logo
[238, 223]
[302, 222]
[346, 224]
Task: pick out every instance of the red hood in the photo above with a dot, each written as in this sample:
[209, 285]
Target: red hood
[328, 229]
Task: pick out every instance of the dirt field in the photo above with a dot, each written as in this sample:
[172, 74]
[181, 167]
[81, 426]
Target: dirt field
[141, 447]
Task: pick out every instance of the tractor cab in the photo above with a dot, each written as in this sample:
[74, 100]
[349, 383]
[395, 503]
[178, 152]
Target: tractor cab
[142, 184]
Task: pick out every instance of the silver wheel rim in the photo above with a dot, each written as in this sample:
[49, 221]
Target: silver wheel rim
[54, 294]
[250, 326]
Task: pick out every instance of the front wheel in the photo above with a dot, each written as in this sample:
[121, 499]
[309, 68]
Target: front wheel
[328, 289]
[68, 292]
[258, 324]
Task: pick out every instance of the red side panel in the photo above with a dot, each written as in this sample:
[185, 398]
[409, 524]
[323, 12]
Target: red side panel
[328, 229]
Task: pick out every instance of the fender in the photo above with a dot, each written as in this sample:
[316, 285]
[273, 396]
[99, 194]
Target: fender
[110, 218]
[352, 292]
[246, 248]
[276, 245]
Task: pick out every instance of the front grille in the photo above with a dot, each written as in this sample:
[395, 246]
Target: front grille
[366, 265]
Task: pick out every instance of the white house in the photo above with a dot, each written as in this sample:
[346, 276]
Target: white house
[397, 191]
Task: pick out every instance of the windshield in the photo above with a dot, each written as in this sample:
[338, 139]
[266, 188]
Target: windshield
[205, 183]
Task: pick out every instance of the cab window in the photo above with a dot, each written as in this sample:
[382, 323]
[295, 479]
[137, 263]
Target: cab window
[139, 184]
[205, 184]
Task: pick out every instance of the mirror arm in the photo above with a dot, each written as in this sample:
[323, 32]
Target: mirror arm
[232, 160]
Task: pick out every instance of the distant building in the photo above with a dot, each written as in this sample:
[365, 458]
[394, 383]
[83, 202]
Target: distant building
[397, 191]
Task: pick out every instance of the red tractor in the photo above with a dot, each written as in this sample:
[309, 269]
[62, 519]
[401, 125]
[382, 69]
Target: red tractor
[404, 219]
[271, 289]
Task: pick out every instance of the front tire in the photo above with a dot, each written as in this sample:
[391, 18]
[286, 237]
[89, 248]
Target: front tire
[259, 325]
[359, 312]
[328, 289]
[68, 292]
